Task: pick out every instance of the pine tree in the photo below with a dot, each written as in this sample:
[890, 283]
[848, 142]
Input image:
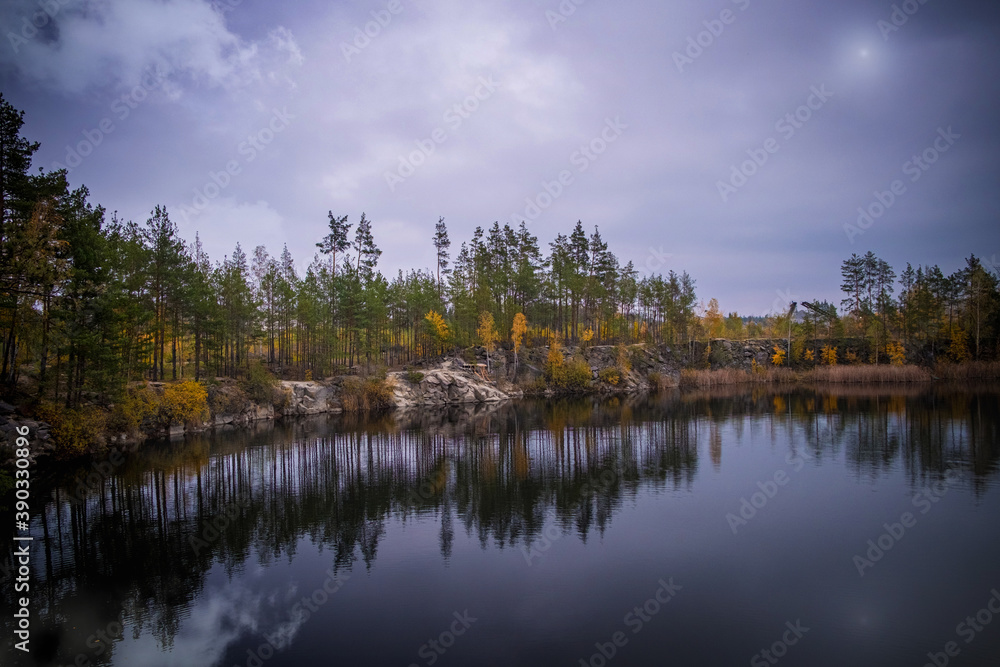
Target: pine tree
[22, 225]
[368, 252]
[854, 285]
[166, 256]
[579, 252]
[981, 299]
[17, 195]
[441, 245]
[337, 240]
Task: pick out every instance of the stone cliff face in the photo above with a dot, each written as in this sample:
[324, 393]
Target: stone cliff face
[310, 398]
[298, 399]
[641, 362]
[452, 383]
[39, 439]
[449, 384]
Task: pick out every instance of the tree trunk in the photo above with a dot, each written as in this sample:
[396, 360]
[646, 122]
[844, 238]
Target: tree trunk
[9, 355]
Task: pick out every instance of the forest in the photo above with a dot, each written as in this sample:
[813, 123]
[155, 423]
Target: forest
[90, 302]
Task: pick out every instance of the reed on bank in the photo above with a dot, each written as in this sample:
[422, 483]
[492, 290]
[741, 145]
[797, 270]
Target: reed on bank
[868, 374]
[881, 374]
[972, 370]
[734, 376]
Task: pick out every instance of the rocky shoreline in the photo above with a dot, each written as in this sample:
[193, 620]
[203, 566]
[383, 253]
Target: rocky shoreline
[444, 381]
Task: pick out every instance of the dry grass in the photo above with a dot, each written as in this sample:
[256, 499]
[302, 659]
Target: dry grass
[369, 395]
[734, 376]
[973, 370]
[660, 381]
[822, 375]
[869, 374]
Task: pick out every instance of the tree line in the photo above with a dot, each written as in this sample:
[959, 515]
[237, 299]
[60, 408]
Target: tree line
[920, 313]
[89, 303]
[960, 310]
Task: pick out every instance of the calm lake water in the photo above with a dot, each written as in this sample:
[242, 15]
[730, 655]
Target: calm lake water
[849, 527]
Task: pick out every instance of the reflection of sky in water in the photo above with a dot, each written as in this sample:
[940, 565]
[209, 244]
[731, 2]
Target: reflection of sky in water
[408, 564]
[226, 610]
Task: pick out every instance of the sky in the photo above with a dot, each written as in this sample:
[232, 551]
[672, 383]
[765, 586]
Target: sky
[755, 144]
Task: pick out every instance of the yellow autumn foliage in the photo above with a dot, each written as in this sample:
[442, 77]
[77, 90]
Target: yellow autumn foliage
[518, 330]
[185, 403]
[438, 329]
[897, 353]
[486, 331]
[138, 404]
[959, 348]
[610, 376]
[828, 355]
[74, 431]
[554, 362]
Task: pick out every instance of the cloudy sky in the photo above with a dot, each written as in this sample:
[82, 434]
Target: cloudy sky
[734, 139]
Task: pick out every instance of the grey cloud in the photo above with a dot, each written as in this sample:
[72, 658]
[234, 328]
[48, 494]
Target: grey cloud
[655, 186]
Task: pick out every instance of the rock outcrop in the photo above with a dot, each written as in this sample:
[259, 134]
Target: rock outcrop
[39, 439]
[309, 398]
[249, 414]
[449, 384]
[297, 399]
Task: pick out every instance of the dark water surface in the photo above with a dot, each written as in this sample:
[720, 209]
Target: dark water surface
[844, 528]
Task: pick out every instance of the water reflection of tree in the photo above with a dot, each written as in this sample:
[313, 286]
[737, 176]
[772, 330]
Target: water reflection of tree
[924, 429]
[502, 473]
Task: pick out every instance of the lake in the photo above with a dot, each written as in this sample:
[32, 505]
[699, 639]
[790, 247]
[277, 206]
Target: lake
[811, 527]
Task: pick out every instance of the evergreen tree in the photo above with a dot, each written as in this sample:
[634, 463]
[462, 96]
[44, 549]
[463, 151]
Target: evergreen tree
[166, 259]
[441, 245]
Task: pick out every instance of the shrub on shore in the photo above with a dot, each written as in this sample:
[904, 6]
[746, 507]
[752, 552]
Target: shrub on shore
[137, 405]
[184, 403]
[142, 407]
[366, 395]
[610, 376]
[659, 381]
[74, 431]
[536, 386]
[573, 375]
[259, 384]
